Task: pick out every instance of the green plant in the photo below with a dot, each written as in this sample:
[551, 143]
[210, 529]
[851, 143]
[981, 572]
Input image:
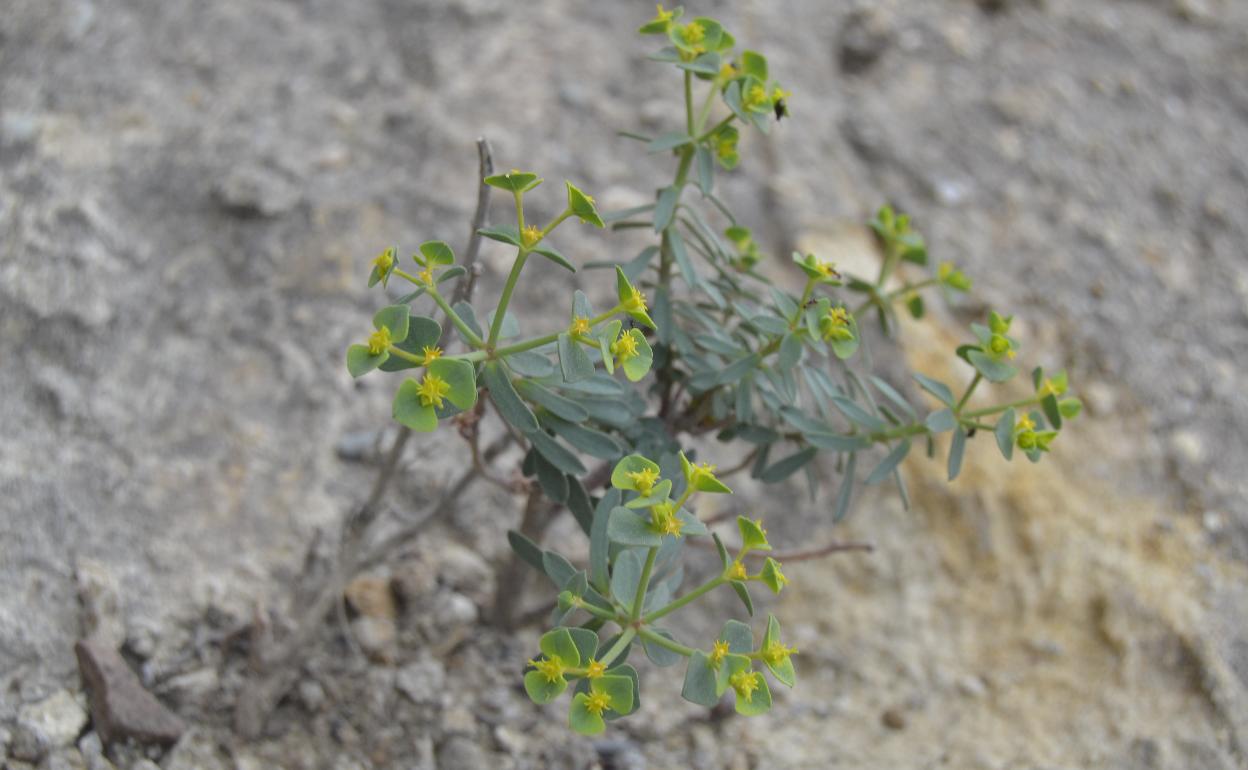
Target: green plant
[737, 357]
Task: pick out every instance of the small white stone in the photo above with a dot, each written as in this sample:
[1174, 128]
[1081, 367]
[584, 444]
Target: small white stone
[57, 720]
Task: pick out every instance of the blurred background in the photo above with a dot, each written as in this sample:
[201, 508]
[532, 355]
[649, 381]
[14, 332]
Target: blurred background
[191, 194]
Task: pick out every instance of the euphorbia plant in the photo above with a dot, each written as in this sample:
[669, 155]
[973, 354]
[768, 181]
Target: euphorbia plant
[706, 345]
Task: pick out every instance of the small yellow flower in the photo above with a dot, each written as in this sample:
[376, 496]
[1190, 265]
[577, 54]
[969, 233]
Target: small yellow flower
[779, 93]
[595, 669]
[1025, 423]
[379, 341]
[432, 390]
[776, 653]
[835, 325]
[579, 327]
[636, 302]
[625, 347]
[998, 345]
[745, 683]
[426, 276]
[827, 270]
[756, 97]
[694, 33]
[701, 471]
[644, 479]
[737, 571]
[384, 262]
[662, 15]
[666, 520]
[431, 353]
[530, 236]
[597, 702]
[718, 651]
[727, 71]
[551, 668]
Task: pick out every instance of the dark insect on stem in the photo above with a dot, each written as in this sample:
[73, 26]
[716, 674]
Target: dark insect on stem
[782, 109]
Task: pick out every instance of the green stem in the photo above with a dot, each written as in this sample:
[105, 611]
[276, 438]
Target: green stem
[467, 333]
[663, 641]
[682, 601]
[643, 583]
[415, 359]
[1001, 408]
[711, 131]
[520, 347]
[705, 113]
[496, 328]
[967, 395]
[619, 646]
[689, 102]
[595, 611]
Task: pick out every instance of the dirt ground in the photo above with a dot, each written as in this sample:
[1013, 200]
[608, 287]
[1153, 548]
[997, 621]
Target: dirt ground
[190, 194]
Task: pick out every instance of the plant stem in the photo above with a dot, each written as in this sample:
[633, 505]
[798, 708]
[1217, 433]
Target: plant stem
[467, 333]
[1001, 408]
[496, 328]
[595, 611]
[682, 601]
[415, 359]
[689, 102]
[643, 583]
[663, 641]
[967, 395]
[705, 113]
[619, 646]
[711, 131]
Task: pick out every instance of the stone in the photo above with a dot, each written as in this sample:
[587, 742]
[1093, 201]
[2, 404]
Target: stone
[26, 744]
[452, 610]
[64, 759]
[100, 608]
[194, 688]
[422, 681]
[54, 722]
[311, 695]
[461, 753]
[374, 627]
[92, 749]
[195, 751]
[464, 570]
[864, 37]
[254, 192]
[121, 709]
[893, 719]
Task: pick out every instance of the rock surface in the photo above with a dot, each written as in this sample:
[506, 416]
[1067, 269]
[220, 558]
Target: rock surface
[189, 197]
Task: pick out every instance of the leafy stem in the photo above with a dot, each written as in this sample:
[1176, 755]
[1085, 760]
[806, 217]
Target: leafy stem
[640, 598]
[620, 645]
[663, 641]
[693, 595]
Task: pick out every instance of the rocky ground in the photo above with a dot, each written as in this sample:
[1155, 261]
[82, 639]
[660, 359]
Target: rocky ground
[190, 194]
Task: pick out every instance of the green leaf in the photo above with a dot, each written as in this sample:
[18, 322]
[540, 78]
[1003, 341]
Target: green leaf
[782, 469]
[658, 654]
[627, 528]
[669, 141]
[394, 318]
[665, 208]
[782, 670]
[421, 332]
[599, 540]
[699, 686]
[955, 453]
[618, 687]
[630, 673]
[549, 252]
[556, 453]
[461, 376]
[586, 642]
[541, 691]
[360, 363]
[580, 504]
[582, 206]
[661, 492]
[941, 421]
[744, 594]
[753, 63]
[1004, 433]
[1070, 407]
[557, 405]
[513, 181]
[504, 397]
[526, 549]
[893, 395]
[639, 365]
[558, 643]
[1052, 411]
[582, 720]
[626, 573]
[760, 700]
[469, 317]
[836, 442]
[437, 252]
[938, 389]
[552, 481]
[915, 306]
[857, 414]
[753, 538]
[790, 351]
[408, 410]
[705, 164]
[890, 461]
[721, 550]
[573, 360]
[844, 349]
[557, 568]
[592, 442]
[845, 493]
[529, 364]
[634, 463]
[992, 369]
[503, 234]
[706, 64]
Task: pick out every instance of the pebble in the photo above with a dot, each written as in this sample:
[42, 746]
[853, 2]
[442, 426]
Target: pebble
[1188, 446]
[196, 751]
[452, 610]
[972, 687]
[64, 759]
[893, 719]
[254, 191]
[461, 753]
[312, 695]
[422, 681]
[52, 723]
[864, 37]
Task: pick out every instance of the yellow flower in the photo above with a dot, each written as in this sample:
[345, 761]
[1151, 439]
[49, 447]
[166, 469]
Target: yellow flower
[625, 347]
[426, 276]
[727, 71]
[701, 471]
[551, 668]
[432, 390]
[998, 345]
[662, 15]
[636, 303]
[835, 325]
[745, 683]
[1025, 423]
[595, 669]
[644, 479]
[580, 326]
[737, 571]
[431, 352]
[718, 651]
[756, 97]
[827, 270]
[666, 520]
[379, 342]
[530, 236]
[597, 702]
[384, 262]
[776, 653]
[694, 33]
